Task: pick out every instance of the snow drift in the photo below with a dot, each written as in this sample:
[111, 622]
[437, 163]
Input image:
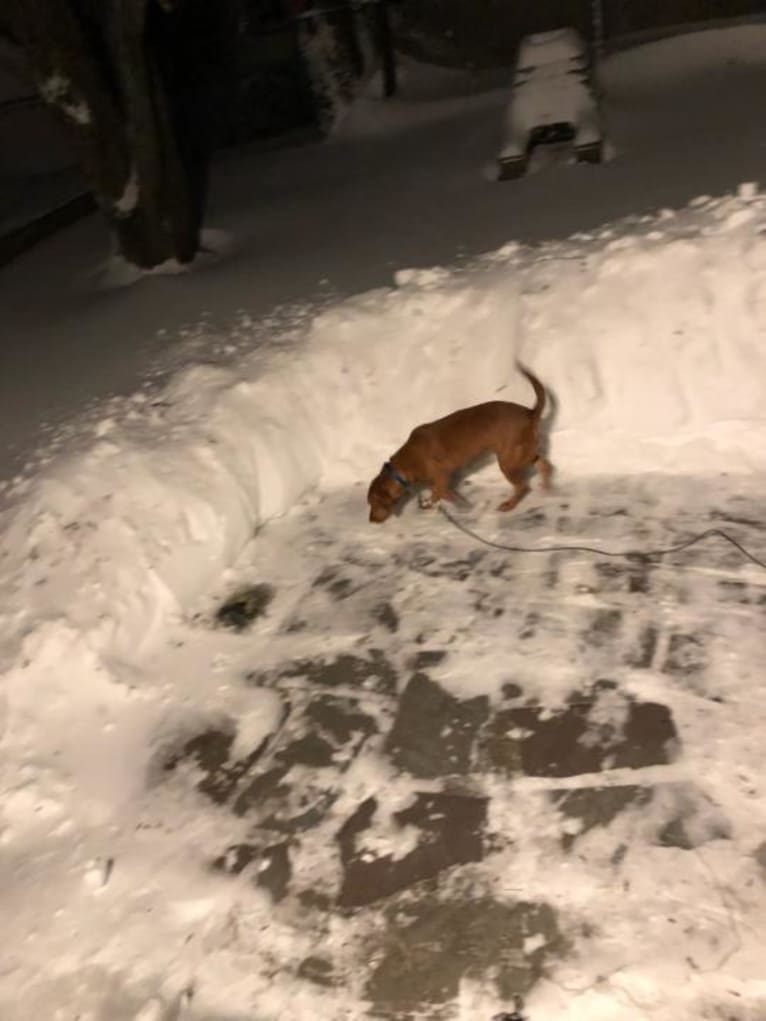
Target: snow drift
[650, 334]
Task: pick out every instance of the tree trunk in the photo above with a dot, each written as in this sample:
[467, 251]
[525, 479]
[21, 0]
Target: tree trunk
[161, 224]
[100, 76]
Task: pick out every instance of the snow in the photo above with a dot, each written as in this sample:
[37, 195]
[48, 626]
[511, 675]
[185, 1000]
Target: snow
[128, 201]
[551, 51]
[116, 272]
[550, 85]
[57, 89]
[403, 184]
[251, 461]
[669, 60]
[180, 485]
[549, 100]
[329, 78]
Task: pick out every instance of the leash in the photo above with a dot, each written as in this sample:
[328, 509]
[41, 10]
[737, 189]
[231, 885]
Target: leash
[640, 555]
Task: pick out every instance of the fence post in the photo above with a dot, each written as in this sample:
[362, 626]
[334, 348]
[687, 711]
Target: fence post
[597, 20]
[385, 42]
[348, 21]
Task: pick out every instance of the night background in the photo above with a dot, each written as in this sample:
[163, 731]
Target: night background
[382, 592]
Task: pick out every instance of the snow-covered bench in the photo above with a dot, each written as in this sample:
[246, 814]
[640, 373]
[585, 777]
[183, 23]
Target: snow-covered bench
[553, 99]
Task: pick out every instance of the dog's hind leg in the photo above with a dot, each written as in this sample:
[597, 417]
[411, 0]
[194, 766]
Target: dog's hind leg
[545, 469]
[518, 479]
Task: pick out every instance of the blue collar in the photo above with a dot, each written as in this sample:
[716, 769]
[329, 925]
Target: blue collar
[389, 469]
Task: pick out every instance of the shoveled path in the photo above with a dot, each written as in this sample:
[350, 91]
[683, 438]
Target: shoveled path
[539, 773]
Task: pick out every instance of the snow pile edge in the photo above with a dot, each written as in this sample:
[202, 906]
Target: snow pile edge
[649, 333]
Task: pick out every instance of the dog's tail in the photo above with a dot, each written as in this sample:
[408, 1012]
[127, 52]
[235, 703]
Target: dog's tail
[539, 389]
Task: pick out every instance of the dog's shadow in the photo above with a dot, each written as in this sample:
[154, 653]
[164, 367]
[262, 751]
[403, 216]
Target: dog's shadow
[461, 480]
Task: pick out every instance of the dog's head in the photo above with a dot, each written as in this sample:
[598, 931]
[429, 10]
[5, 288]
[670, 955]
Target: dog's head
[382, 496]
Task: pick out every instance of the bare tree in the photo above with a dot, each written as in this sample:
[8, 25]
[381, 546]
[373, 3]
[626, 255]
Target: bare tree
[98, 65]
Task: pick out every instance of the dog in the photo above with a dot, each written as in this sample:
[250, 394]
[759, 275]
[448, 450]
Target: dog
[436, 450]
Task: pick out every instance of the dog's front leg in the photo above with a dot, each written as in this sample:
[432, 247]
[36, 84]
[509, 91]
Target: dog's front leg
[429, 496]
[440, 490]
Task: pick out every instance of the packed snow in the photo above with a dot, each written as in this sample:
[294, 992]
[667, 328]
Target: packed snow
[252, 462]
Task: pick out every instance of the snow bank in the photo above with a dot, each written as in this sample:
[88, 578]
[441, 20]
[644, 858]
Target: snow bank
[650, 334]
[680, 57]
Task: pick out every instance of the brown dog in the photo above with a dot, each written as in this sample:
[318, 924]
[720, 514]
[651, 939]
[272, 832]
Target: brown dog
[435, 451]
